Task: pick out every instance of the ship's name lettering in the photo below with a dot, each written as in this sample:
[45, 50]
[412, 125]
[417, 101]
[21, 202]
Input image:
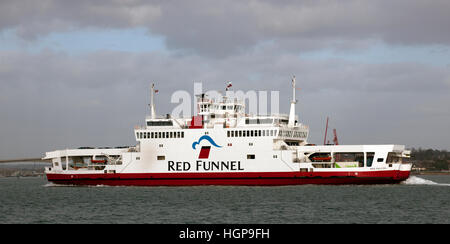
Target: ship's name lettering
[200, 165]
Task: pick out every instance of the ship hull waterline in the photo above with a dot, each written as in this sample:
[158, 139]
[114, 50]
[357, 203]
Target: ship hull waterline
[234, 179]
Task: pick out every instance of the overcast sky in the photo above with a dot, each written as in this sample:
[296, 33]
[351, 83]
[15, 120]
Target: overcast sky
[77, 73]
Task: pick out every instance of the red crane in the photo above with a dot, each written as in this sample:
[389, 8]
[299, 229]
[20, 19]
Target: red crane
[335, 139]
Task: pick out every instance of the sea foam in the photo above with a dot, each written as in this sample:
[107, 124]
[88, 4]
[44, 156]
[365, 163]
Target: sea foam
[414, 180]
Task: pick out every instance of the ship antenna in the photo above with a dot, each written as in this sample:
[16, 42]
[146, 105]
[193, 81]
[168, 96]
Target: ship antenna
[293, 102]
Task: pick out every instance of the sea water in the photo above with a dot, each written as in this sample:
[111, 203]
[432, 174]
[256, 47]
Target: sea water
[420, 199]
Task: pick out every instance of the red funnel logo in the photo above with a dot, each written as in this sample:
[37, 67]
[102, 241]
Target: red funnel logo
[204, 152]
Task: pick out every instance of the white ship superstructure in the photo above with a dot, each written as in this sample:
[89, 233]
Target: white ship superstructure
[222, 145]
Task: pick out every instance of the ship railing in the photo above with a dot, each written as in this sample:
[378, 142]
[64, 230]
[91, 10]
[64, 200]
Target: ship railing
[296, 128]
[167, 116]
[275, 116]
[227, 100]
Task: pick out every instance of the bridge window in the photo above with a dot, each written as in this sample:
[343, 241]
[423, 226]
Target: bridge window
[292, 143]
[394, 158]
[160, 123]
[258, 121]
[250, 156]
[250, 121]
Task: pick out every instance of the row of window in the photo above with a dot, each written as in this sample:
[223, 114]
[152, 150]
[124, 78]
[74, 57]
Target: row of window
[163, 157]
[354, 157]
[258, 121]
[150, 135]
[160, 123]
[265, 121]
[252, 133]
[289, 133]
[230, 133]
[206, 107]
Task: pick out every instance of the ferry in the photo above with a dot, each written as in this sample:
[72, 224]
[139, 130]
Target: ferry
[223, 145]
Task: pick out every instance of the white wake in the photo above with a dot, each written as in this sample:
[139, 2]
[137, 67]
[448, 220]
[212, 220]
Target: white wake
[414, 180]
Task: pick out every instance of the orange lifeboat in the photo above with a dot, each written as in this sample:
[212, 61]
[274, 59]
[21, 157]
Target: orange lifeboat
[102, 161]
[322, 158]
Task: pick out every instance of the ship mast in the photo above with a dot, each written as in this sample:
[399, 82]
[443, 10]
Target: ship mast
[291, 122]
[152, 103]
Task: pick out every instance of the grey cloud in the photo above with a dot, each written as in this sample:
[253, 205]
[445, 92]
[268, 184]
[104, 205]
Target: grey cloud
[32, 19]
[221, 28]
[51, 100]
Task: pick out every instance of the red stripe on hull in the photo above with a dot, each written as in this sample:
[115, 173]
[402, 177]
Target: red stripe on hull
[253, 178]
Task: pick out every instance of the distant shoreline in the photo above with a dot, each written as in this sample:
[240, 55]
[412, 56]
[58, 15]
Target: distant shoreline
[23, 160]
[430, 173]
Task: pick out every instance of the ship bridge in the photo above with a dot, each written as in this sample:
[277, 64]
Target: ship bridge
[222, 107]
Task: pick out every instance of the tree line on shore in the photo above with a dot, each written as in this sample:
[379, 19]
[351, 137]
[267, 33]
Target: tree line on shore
[423, 159]
[430, 159]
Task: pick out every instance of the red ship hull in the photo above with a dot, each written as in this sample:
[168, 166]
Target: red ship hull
[249, 179]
